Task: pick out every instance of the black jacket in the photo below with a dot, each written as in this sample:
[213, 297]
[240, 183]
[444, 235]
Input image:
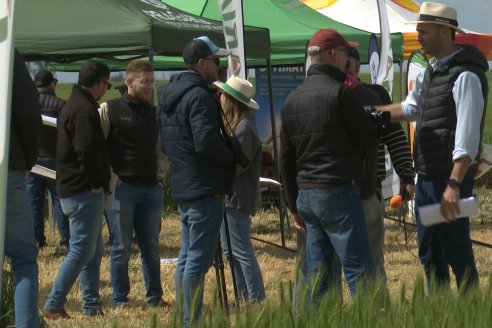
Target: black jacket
[81, 157]
[324, 132]
[132, 140]
[25, 121]
[189, 122]
[51, 106]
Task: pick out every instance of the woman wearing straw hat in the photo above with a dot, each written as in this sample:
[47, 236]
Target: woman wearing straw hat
[238, 109]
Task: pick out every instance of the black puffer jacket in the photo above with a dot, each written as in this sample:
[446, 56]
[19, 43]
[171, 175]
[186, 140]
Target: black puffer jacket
[190, 135]
[51, 106]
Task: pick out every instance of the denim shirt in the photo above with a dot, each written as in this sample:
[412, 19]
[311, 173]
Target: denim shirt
[467, 94]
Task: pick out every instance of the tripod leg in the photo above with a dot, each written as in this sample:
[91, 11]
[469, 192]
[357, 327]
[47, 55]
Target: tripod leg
[221, 283]
[217, 265]
[231, 260]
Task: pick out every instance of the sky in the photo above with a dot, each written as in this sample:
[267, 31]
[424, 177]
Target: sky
[473, 15]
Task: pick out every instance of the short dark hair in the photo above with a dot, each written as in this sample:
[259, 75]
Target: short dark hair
[353, 53]
[92, 73]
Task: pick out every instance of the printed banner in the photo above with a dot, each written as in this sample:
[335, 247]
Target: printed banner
[284, 81]
[385, 71]
[373, 55]
[232, 22]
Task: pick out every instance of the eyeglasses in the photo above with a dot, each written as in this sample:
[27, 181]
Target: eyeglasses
[216, 60]
[147, 82]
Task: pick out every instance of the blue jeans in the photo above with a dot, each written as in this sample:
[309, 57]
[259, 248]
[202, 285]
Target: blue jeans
[84, 211]
[36, 187]
[335, 224]
[200, 228]
[140, 208]
[20, 246]
[247, 271]
[445, 244]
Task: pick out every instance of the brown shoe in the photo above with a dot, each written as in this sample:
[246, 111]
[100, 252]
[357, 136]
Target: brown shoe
[55, 314]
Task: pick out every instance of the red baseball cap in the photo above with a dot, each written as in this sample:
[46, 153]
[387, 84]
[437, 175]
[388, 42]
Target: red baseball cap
[326, 39]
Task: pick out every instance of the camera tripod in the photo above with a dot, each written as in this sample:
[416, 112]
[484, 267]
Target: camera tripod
[219, 270]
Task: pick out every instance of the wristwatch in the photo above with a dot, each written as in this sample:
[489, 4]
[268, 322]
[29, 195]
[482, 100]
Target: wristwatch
[453, 183]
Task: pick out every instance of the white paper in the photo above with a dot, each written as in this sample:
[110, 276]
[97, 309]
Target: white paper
[50, 121]
[44, 171]
[271, 182]
[431, 214]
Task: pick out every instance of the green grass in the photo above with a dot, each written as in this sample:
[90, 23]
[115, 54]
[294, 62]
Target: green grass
[444, 308]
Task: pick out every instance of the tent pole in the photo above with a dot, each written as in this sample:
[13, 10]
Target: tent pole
[150, 54]
[281, 206]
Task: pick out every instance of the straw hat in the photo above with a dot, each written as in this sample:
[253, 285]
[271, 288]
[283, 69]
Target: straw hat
[437, 13]
[239, 89]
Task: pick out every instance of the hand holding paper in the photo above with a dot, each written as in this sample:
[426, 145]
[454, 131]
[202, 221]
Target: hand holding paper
[431, 214]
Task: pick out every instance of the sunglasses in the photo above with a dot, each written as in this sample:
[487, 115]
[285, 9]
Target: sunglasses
[216, 60]
[108, 85]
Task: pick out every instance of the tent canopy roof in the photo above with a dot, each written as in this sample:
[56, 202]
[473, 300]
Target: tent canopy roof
[67, 30]
[291, 24]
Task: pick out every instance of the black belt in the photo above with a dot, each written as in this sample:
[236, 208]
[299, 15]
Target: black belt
[333, 183]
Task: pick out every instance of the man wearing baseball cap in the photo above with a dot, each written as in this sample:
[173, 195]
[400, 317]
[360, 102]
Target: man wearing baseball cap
[51, 106]
[323, 135]
[201, 165]
[448, 102]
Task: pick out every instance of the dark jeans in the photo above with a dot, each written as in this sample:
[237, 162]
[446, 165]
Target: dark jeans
[445, 244]
[36, 187]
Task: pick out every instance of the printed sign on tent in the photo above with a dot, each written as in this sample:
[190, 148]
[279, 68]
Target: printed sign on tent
[284, 81]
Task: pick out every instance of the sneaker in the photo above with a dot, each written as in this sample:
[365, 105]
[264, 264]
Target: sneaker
[55, 314]
[93, 312]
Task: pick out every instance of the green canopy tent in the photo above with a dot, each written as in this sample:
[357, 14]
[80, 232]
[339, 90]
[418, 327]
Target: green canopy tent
[291, 24]
[66, 31]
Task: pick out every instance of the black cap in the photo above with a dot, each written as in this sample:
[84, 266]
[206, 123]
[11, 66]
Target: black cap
[44, 78]
[202, 47]
[353, 53]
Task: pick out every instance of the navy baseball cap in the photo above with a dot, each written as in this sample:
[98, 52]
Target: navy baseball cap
[202, 47]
